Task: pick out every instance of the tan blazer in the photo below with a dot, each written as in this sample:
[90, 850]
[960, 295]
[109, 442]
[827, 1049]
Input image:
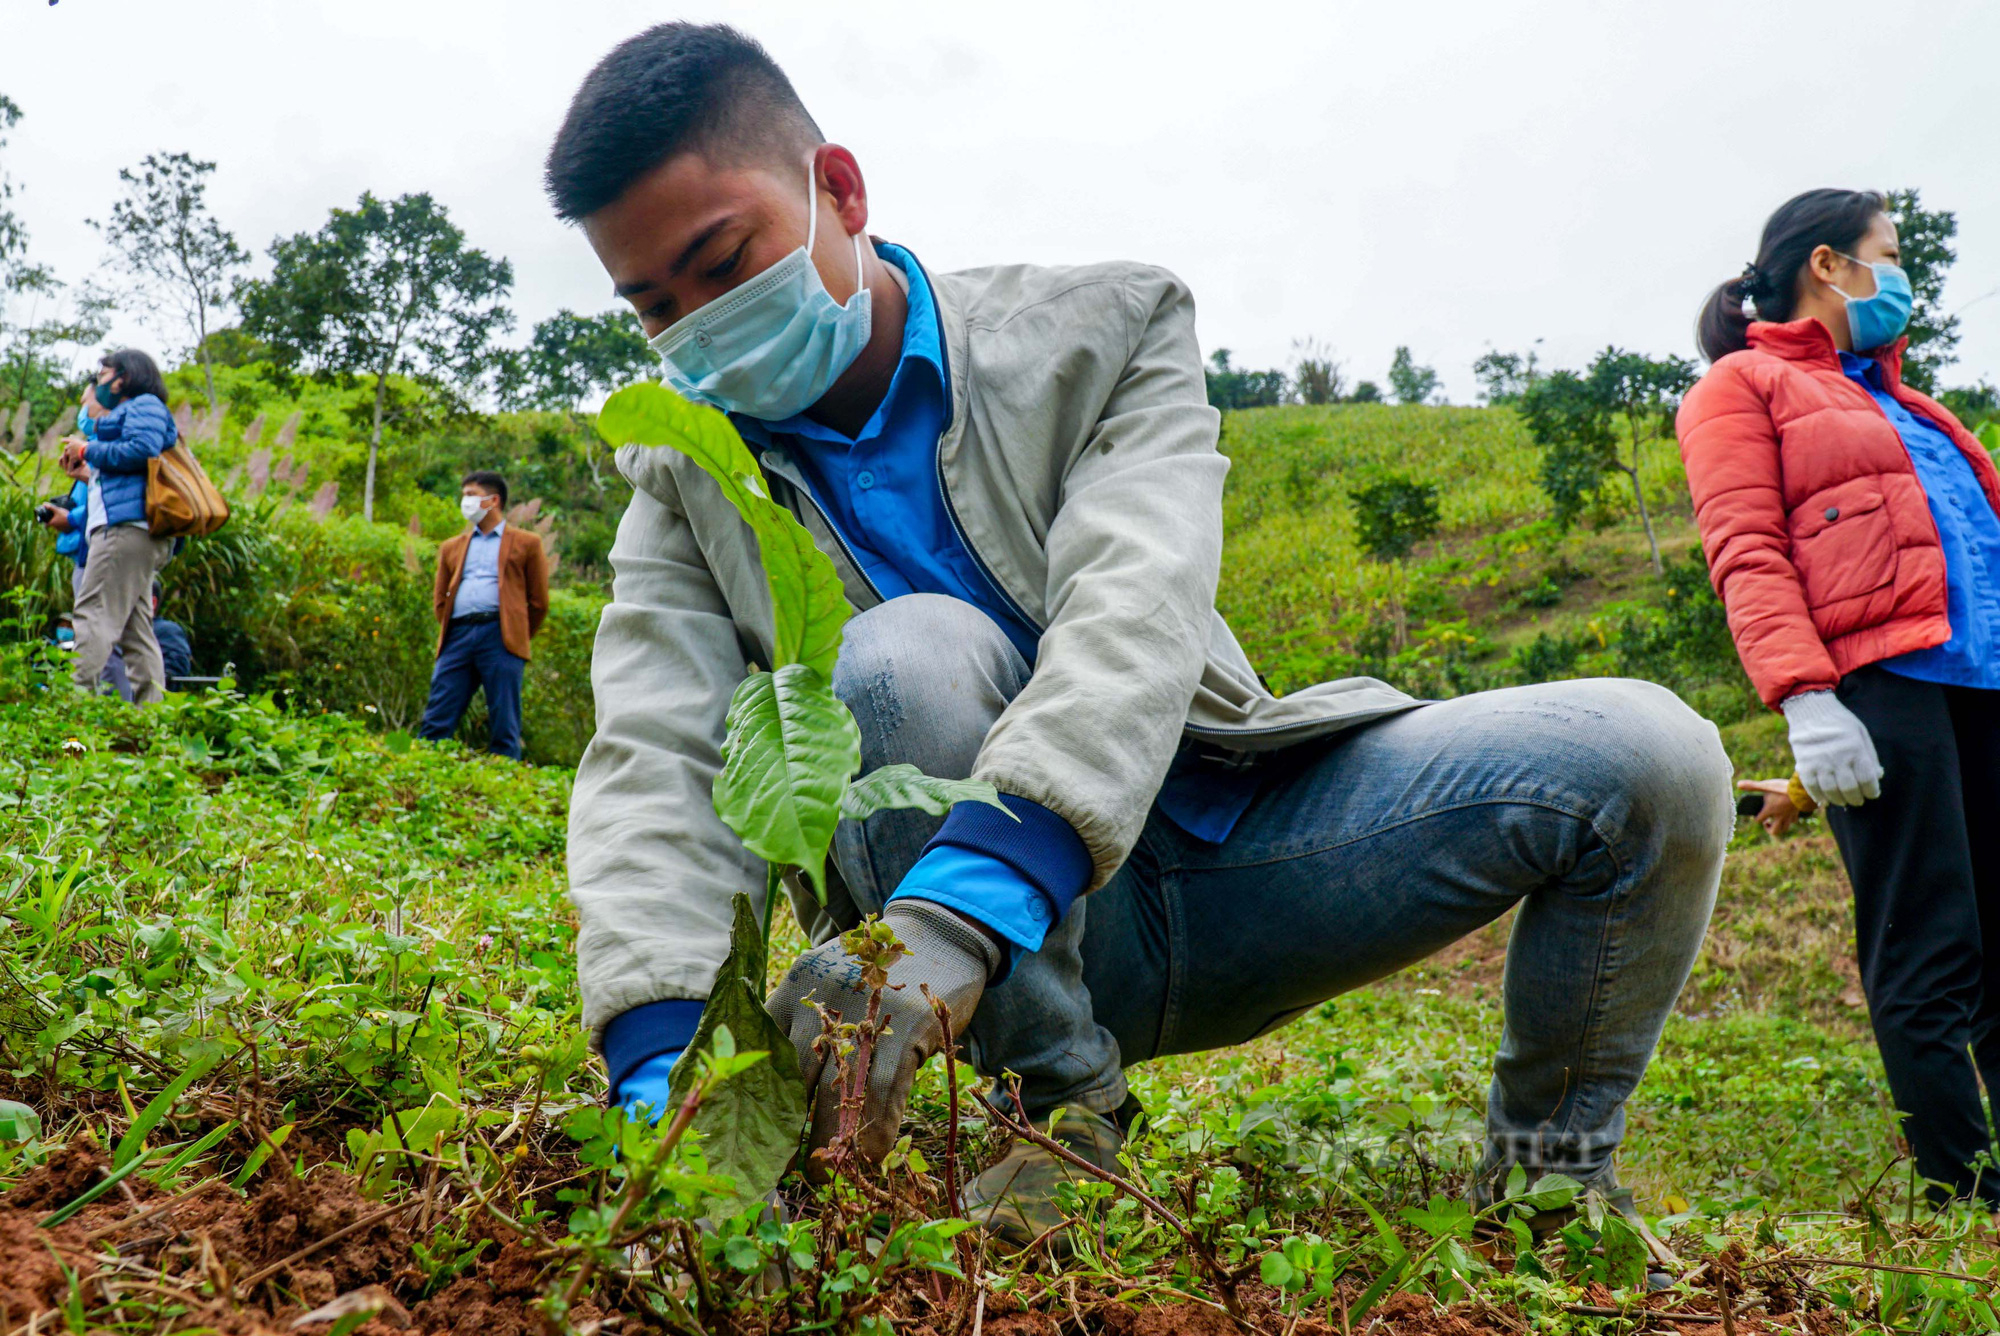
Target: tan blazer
[524, 585]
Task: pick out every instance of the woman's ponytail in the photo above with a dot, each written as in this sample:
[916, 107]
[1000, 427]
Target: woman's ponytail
[1769, 284]
[1724, 324]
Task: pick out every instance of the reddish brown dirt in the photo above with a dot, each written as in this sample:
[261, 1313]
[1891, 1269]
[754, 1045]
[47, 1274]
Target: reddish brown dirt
[216, 1239]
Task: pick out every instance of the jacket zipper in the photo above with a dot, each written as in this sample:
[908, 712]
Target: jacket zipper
[804, 493]
[944, 492]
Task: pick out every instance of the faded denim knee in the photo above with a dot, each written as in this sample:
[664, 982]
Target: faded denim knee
[926, 676]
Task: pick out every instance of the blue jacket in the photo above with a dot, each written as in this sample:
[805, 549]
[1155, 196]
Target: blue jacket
[74, 543]
[129, 435]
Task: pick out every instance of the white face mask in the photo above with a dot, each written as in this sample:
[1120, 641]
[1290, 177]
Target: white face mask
[472, 507]
[771, 347]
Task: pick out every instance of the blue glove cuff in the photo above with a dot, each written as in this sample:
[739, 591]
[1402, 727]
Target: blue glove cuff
[647, 1031]
[1041, 846]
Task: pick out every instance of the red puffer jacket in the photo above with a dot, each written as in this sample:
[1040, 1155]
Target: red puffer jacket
[1819, 538]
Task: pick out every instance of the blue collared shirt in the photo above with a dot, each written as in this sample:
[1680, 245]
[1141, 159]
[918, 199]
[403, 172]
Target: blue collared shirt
[1970, 532]
[479, 582]
[881, 489]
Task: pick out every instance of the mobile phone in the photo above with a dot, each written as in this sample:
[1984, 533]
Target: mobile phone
[1750, 804]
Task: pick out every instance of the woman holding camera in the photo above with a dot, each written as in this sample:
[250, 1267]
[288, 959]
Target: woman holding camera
[1852, 527]
[130, 425]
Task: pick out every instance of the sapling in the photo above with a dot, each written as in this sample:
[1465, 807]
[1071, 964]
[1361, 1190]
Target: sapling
[790, 752]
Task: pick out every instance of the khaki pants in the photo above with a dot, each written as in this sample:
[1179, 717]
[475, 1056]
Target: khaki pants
[114, 606]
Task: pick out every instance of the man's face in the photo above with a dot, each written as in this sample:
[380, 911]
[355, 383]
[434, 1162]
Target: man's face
[691, 230]
[487, 500]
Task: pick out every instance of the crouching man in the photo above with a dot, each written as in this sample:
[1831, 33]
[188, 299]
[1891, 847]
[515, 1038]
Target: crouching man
[1015, 471]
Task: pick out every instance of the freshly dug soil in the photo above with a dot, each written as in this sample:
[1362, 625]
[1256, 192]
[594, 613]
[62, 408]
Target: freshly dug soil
[306, 1242]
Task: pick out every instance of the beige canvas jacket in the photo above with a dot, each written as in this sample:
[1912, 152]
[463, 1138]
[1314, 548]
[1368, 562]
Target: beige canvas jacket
[1079, 460]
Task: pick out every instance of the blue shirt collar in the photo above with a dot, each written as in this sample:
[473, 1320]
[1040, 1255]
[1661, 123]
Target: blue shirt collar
[1865, 369]
[923, 356]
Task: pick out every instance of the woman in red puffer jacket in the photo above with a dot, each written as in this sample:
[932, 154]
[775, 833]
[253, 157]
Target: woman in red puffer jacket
[1852, 528]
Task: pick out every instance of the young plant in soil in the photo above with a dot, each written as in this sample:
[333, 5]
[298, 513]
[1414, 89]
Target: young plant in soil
[791, 751]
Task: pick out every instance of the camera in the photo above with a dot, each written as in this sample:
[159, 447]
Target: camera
[46, 512]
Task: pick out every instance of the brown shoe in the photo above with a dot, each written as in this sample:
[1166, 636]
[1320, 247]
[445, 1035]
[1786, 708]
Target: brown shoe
[1014, 1201]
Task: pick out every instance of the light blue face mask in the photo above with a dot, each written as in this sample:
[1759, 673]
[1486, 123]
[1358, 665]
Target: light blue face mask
[1880, 319]
[770, 348]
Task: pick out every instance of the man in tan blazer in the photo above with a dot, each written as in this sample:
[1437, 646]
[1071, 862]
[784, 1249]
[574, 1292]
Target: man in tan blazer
[492, 593]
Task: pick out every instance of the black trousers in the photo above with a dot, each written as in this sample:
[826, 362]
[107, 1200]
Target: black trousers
[1924, 859]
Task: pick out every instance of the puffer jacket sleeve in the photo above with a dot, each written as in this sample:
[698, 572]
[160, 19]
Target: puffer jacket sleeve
[652, 869]
[1134, 554]
[136, 431]
[1734, 469]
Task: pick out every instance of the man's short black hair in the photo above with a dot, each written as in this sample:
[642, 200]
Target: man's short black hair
[487, 481]
[672, 89]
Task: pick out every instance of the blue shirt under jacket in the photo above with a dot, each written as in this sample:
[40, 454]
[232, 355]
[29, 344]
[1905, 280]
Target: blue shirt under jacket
[1970, 532]
[479, 579]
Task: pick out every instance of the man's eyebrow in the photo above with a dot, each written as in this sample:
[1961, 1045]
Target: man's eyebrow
[681, 262]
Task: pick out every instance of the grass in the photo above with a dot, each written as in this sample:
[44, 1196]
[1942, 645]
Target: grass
[356, 951]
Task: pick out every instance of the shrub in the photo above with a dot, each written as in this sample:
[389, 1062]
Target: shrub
[1229, 388]
[1392, 516]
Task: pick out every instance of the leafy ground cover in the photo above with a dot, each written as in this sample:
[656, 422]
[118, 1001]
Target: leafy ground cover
[289, 1030]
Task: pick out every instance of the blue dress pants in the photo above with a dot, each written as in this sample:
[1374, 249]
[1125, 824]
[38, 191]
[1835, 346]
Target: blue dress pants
[475, 658]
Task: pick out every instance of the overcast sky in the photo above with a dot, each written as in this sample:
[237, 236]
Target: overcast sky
[1449, 176]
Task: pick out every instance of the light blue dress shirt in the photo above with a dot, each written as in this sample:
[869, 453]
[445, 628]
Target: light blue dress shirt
[479, 582]
[1970, 532]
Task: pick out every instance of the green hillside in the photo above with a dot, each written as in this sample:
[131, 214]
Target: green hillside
[1500, 598]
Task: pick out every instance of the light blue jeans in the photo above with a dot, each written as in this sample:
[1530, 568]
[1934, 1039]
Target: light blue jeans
[1600, 808]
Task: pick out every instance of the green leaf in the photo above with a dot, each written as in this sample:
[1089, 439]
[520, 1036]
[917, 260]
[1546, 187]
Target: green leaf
[153, 1114]
[1276, 1271]
[750, 1124]
[807, 606]
[1551, 1192]
[18, 1122]
[1625, 1254]
[903, 785]
[789, 751]
[261, 1154]
[198, 1149]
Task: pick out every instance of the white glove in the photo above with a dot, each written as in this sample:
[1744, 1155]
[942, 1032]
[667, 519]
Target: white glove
[1832, 749]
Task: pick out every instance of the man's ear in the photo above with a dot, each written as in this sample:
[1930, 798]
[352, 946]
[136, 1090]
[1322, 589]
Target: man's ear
[840, 176]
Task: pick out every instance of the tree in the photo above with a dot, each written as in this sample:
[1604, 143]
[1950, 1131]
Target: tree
[1229, 388]
[1925, 237]
[165, 238]
[1393, 515]
[1367, 392]
[1316, 378]
[1598, 423]
[383, 289]
[572, 357]
[1504, 377]
[30, 370]
[1411, 384]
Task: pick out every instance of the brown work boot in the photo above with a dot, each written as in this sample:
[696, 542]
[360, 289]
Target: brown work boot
[1014, 1201]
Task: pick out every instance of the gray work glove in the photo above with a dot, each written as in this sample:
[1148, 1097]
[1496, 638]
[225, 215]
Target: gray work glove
[1832, 750]
[947, 953]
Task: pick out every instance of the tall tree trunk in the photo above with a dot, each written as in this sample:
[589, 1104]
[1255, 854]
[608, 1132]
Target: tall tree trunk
[207, 366]
[1645, 517]
[375, 447]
